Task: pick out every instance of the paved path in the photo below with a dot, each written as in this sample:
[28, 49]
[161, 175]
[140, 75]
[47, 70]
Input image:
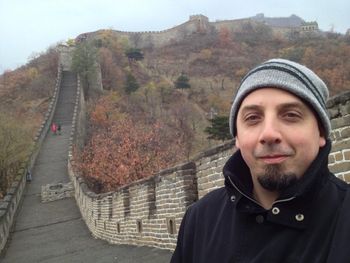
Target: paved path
[55, 231]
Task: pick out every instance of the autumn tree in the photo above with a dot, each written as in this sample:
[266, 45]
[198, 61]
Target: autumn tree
[84, 62]
[112, 74]
[225, 37]
[123, 150]
[15, 146]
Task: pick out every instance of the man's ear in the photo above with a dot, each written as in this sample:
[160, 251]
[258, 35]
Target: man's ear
[237, 142]
[322, 141]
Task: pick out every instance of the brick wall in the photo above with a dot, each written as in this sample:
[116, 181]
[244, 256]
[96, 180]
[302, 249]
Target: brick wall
[149, 212]
[339, 159]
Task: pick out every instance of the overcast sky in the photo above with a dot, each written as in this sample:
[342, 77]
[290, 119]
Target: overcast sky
[31, 26]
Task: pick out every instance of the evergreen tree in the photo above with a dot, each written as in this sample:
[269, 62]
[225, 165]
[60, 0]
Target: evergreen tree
[182, 82]
[134, 54]
[219, 129]
[131, 84]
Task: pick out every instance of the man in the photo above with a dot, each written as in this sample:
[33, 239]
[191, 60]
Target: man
[280, 203]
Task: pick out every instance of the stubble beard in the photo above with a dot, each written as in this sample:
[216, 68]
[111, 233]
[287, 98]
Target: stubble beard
[275, 179]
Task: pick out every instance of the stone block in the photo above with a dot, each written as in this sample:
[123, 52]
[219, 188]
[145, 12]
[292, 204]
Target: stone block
[345, 109]
[346, 154]
[4, 205]
[52, 192]
[345, 133]
[340, 122]
[347, 177]
[341, 145]
[338, 156]
[340, 167]
[333, 112]
[331, 159]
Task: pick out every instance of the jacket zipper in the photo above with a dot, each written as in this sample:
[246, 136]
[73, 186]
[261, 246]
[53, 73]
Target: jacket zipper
[251, 199]
[254, 201]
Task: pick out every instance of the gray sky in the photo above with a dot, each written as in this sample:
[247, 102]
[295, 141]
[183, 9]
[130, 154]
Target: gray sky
[28, 27]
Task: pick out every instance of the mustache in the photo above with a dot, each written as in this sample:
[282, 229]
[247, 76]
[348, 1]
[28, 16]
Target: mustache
[273, 150]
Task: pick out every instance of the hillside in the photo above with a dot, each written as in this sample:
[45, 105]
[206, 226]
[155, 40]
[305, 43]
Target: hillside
[143, 83]
[24, 98]
[151, 120]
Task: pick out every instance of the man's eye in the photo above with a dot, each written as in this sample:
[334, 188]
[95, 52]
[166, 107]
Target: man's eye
[252, 118]
[292, 115]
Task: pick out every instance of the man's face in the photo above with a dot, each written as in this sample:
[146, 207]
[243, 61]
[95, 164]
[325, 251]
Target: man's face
[278, 136]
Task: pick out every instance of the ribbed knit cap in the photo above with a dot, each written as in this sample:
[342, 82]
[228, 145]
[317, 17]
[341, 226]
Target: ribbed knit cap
[289, 76]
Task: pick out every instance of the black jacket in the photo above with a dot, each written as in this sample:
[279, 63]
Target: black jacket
[310, 222]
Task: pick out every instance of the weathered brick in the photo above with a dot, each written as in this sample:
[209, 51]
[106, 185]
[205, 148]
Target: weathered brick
[340, 122]
[333, 112]
[338, 156]
[347, 177]
[338, 146]
[340, 167]
[346, 155]
[345, 109]
[345, 133]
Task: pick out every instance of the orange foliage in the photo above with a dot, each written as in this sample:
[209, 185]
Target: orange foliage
[112, 75]
[224, 37]
[122, 151]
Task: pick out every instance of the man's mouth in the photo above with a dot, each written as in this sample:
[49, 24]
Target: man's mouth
[273, 159]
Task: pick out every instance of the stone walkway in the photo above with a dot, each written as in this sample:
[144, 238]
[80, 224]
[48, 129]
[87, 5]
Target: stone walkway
[54, 231]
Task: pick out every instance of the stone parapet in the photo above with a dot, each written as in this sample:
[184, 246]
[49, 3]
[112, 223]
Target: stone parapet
[339, 159]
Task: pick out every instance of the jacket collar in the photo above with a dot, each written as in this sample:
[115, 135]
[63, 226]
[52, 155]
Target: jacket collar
[237, 172]
[293, 202]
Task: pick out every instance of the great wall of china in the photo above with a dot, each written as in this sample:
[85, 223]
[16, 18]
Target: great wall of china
[148, 212]
[200, 24]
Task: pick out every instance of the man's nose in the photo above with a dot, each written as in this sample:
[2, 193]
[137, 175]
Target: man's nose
[270, 132]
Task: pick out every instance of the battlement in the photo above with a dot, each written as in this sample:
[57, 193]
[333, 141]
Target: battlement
[199, 17]
[309, 26]
[201, 24]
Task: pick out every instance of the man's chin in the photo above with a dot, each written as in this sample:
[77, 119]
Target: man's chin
[274, 178]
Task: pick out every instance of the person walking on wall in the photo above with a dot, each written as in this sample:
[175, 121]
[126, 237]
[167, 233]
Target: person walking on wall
[54, 128]
[59, 128]
[280, 203]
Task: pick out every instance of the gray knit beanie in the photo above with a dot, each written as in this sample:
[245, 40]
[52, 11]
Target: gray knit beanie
[291, 77]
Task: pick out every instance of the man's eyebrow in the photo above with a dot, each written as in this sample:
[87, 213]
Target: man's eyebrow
[251, 107]
[295, 104]
[287, 105]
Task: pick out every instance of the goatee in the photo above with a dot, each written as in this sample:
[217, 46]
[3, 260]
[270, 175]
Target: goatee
[274, 179]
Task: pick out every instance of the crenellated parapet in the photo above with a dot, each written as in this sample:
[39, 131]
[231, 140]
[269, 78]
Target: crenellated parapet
[201, 24]
[339, 159]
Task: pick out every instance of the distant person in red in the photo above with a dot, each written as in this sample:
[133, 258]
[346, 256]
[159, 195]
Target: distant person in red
[54, 128]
